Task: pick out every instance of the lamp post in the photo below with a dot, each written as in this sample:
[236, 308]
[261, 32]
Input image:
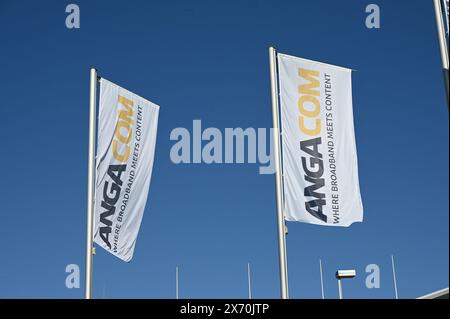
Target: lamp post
[341, 274]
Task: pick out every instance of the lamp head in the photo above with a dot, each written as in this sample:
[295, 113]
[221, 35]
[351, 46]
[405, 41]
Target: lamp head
[348, 273]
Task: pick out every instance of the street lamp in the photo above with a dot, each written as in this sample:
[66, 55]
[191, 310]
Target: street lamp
[340, 274]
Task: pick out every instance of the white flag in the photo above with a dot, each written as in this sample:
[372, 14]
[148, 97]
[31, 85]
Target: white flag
[126, 147]
[320, 169]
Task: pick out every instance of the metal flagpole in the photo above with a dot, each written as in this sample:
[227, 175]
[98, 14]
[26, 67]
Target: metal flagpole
[340, 289]
[439, 12]
[395, 277]
[176, 283]
[321, 279]
[91, 185]
[249, 282]
[278, 175]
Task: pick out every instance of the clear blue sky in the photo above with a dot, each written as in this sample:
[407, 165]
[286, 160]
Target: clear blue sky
[208, 60]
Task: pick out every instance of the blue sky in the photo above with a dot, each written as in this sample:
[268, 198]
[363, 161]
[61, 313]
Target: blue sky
[208, 60]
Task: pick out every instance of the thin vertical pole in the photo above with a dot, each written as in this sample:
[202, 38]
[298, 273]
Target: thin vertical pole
[394, 276]
[91, 185]
[340, 288]
[249, 282]
[442, 43]
[445, 5]
[321, 279]
[278, 176]
[176, 283]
